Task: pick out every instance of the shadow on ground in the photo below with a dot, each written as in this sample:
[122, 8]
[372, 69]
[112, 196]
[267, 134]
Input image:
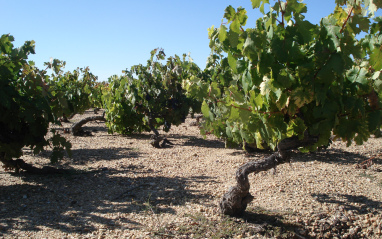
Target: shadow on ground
[189, 140]
[83, 156]
[94, 129]
[199, 142]
[79, 202]
[269, 224]
[359, 203]
[336, 156]
[86, 155]
[333, 155]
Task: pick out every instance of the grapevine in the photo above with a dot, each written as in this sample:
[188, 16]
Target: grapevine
[293, 84]
[72, 92]
[25, 107]
[150, 96]
[288, 75]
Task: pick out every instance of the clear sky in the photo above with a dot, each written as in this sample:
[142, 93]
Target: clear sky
[112, 35]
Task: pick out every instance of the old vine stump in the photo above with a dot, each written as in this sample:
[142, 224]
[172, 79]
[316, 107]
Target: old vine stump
[235, 201]
[77, 127]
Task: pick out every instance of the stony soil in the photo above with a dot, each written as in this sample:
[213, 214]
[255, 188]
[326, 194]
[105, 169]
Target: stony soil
[122, 187]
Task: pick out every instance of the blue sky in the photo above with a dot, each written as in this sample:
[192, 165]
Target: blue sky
[110, 36]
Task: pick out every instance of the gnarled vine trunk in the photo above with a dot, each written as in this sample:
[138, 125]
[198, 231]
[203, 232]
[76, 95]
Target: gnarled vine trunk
[77, 130]
[235, 201]
[156, 139]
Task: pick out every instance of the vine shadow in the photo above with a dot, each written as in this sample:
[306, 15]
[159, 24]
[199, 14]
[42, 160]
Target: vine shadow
[94, 129]
[78, 202]
[363, 206]
[85, 155]
[335, 156]
[190, 140]
[331, 155]
[268, 223]
[203, 143]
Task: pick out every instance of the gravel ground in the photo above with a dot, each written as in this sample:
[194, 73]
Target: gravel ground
[122, 187]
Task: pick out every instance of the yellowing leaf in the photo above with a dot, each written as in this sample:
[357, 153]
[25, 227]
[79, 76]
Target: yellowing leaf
[302, 96]
[266, 86]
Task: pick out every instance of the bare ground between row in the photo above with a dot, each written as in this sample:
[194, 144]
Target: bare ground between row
[120, 186]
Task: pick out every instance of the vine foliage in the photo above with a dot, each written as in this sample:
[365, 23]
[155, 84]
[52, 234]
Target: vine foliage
[294, 84]
[25, 106]
[149, 96]
[72, 92]
[286, 75]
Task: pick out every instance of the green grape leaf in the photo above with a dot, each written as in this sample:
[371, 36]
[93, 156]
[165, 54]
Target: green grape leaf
[249, 46]
[359, 23]
[284, 79]
[342, 129]
[374, 120]
[228, 130]
[241, 65]
[296, 127]
[259, 3]
[256, 100]
[235, 114]
[235, 26]
[238, 114]
[340, 14]
[222, 33]
[294, 7]
[258, 140]
[229, 13]
[305, 28]
[215, 90]
[233, 39]
[263, 130]
[363, 134]
[377, 25]
[376, 58]
[277, 123]
[242, 16]
[376, 75]
[357, 74]
[247, 137]
[247, 81]
[282, 101]
[211, 32]
[333, 31]
[236, 95]
[340, 2]
[245, 115]
[232, 62]
[336, 63]
[270, 24]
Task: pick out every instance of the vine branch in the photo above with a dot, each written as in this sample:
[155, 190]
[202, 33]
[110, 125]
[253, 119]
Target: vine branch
[347, 19]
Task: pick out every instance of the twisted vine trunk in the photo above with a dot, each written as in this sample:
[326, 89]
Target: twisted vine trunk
[77, 127]
[235, 201]
[156, 139]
